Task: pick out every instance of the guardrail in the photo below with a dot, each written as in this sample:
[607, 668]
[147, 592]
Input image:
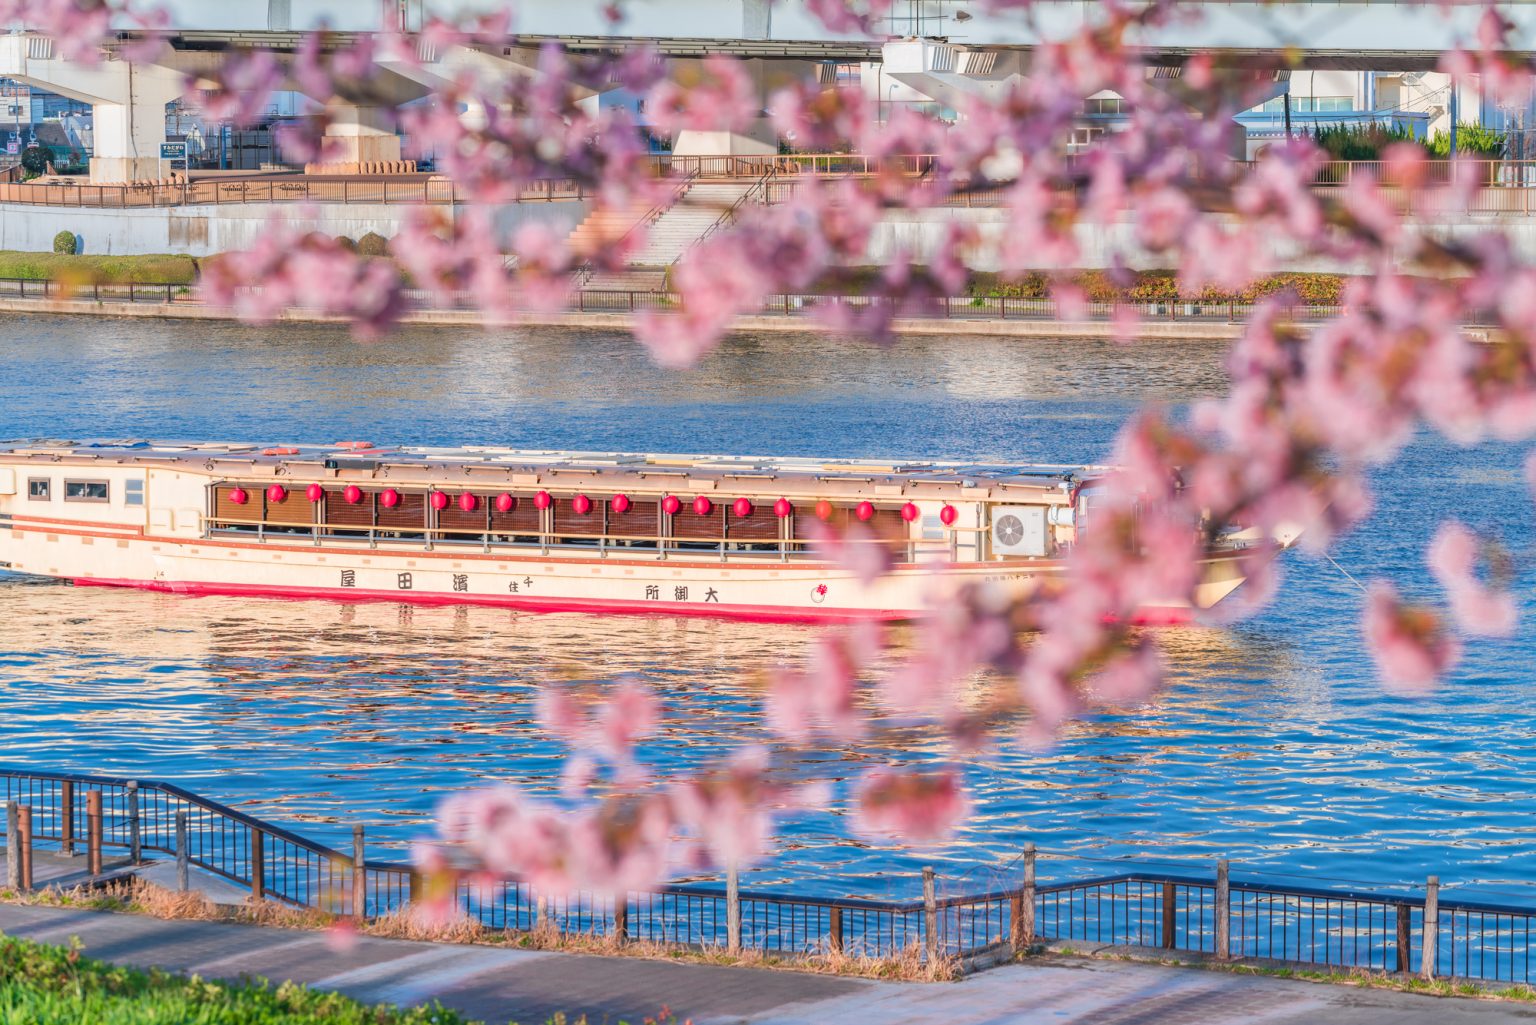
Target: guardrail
[424, 189]
[1219, 917]
[590, 300]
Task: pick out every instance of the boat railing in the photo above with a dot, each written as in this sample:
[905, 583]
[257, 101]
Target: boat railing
[661, 545]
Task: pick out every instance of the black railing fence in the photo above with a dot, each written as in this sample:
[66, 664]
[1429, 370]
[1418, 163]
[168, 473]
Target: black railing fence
[1413, 930]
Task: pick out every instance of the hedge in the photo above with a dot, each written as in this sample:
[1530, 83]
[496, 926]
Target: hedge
[157, 270]
[42, 985]
[1160, 286]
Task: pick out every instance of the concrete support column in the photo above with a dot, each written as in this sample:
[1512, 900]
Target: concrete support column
[359, 134]
[127, 100]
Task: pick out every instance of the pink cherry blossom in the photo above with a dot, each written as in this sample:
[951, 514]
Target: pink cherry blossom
[920, 808]
[1410, 644]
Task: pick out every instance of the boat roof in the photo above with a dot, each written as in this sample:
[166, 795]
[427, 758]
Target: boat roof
[434, 461]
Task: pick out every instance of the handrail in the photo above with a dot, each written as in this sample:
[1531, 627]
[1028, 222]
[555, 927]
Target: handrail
[586, 270]
[729, 216]
[1309, 925]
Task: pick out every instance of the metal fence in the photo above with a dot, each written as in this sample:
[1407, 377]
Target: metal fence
[413, 189]
[1346, 929]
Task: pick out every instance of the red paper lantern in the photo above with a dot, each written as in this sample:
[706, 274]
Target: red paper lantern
[239, 497]
[439, 501]
[277, 493]
[468, 502]
[389, 498]
[353, 494]
[542, 500]
[620, 503]
[782, 508]
[581, 505]
[702, 506]
[864, 511]
[909, 512]
[742, 508]
[823, 510]
[948, 515]
[315, 493]
[505, 503]
[671, 505]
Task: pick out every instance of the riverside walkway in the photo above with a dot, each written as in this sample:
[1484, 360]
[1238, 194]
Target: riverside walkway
[499, 985]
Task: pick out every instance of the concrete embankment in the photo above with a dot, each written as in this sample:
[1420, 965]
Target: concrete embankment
[1197, 330]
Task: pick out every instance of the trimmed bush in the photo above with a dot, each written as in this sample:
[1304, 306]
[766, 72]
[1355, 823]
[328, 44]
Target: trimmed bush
[64, 243]
[44, 985]
[347, 242]
[373, 244]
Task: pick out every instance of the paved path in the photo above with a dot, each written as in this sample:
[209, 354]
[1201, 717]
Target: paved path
[499, 985]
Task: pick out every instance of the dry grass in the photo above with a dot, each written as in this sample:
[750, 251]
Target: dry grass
[136, 896]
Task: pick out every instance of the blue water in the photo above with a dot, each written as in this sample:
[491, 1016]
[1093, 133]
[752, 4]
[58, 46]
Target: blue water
[1272, 746]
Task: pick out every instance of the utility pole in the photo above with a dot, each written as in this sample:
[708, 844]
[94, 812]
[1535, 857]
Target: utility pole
[1287, 113]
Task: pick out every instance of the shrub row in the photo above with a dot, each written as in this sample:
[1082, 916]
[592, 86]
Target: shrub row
[77, 270]
[1160, 286]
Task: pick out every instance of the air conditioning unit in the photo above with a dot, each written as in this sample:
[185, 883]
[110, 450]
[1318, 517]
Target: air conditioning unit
[1020, 530]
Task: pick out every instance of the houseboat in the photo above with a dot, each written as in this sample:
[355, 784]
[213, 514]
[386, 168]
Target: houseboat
[739, 537]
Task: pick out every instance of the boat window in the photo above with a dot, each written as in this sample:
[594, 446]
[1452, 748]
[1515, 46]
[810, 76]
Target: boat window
[38, 489]
[85, 491]
[133, 492]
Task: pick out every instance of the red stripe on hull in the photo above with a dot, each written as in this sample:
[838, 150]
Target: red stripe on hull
[1151, 616]
[616, 606]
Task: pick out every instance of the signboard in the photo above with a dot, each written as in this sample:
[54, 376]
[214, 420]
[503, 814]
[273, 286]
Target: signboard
[173, 151]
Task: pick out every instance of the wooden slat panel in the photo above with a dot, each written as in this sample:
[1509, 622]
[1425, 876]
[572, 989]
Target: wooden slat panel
[761, 525]
[410, 514]
[690, 525]
[455, 518]
[224, 509]
[295, 509]
[886, 523]
[639, 520]
[568, 522]
[339, 514]
[523, 518]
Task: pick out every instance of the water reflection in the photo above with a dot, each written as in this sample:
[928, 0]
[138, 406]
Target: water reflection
[1272, 746]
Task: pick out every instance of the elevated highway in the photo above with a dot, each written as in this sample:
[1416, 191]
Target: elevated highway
[1388, 35]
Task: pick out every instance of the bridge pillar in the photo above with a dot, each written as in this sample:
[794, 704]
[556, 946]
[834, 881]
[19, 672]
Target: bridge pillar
[357, 134]
[127, 101]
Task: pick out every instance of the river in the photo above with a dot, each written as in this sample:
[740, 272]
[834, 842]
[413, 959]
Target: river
[1272, 745]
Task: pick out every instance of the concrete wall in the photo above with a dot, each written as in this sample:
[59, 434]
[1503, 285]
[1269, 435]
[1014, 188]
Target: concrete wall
[205, 230]
[916, 235]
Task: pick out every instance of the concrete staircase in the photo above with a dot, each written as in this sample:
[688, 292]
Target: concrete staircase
[676, 231]
[666, 238]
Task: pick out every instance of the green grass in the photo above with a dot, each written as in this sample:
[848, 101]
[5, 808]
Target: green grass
[42, 985]
[85, 269]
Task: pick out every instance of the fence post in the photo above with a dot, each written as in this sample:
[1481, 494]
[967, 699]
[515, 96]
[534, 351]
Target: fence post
[1404, 938]
[24, 833]
[183, 856]
[66, 818]
[621, 917]
[258, 864]
[835, 929]
[1024, 905]
[1431, 927]
[1223, 910]
[93, 832]
[13, 847]
[135, 839]
[930, 917]
[1169, 920]
[359, 876]
[732, 908]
